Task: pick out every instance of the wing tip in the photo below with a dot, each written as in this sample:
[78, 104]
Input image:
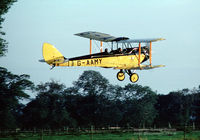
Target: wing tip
[162, 39]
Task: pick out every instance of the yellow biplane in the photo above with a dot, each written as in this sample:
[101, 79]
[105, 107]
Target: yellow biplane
[123, 55]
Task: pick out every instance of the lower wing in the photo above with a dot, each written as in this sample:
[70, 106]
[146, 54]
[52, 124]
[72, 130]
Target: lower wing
[141, 67]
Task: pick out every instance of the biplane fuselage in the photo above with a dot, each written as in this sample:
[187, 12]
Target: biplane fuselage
[117, 61]
[126, 58]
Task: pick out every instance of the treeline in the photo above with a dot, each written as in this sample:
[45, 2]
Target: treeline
[92, 101]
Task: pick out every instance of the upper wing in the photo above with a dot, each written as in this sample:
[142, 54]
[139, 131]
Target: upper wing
[100, 36]
[141, 40]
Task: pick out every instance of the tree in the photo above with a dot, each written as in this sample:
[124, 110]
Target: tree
[176, 108]
[13, 88]
[89, 99]
[47, 110]
[138, 105]
[4, 6]
[96, 110]
[91, 82]
[52, 87]
[195, 108]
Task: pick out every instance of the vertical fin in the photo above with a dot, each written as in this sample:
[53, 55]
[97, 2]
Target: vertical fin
[51, 55]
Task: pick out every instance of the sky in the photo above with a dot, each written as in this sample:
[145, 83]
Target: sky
[30, 23]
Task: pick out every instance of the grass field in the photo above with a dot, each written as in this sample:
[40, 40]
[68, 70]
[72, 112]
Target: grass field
[119, 136]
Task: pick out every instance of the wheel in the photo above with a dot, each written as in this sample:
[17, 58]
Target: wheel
[120, 76]
[134, 77]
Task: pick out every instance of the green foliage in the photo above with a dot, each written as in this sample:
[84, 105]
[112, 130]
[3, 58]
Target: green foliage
[138, 102]
[91, 82]
[178, 108]
[52, 87]
[93, 101]
[4, 6]
[47, 110]
[12, 89]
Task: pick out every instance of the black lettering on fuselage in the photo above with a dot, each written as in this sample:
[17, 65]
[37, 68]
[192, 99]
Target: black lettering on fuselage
[90, 62]
[79, 63]
[100, 61]
[96, 61]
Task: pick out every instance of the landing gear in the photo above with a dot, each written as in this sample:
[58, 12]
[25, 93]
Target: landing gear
[133, 76]
[120, 75]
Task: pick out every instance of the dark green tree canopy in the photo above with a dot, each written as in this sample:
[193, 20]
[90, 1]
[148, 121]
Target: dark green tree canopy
[48, 109]
[4, 7]
[52, 87]
[92, 101]
[12, 89]
[91, 82]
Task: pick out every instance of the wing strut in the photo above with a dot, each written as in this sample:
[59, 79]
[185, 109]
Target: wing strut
[150, 53]
[90, 46]
[101, 48]
[139, 54]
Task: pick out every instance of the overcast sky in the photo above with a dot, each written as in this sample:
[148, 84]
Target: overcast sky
[29, 24]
